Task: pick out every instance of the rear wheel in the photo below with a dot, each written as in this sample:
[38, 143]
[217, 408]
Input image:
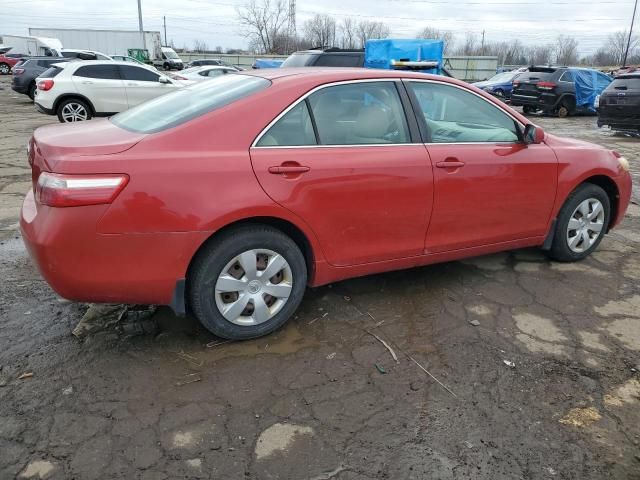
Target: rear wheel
[247, 283]
[581, 223]
[499, 93]
[528, 109]
[166, 66]
[32, 91]
[73, 110]
[4, 69]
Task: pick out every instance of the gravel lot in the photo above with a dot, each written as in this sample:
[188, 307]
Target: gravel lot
[540, 363]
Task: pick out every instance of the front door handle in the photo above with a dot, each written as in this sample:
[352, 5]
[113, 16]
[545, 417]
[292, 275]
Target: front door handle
[450, 162]
[288, 169]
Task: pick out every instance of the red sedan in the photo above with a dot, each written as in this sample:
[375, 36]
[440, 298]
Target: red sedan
[7, 63]
[230, 197]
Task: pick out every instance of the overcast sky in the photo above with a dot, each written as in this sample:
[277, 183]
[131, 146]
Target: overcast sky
[215, 22]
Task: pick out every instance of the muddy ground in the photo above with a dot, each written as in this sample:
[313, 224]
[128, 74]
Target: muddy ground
[538, 363]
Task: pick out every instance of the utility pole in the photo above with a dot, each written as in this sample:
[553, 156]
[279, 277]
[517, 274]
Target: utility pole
[164, 21]
[140, 27]
[626, 52]
[482, 53]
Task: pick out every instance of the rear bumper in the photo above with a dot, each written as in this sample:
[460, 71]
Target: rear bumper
[83, 265]
[41, 109]
[16, 87]
[544, 101]
[620, 122]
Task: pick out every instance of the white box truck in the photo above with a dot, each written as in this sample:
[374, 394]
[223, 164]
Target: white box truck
[31, 45]
[113, 42]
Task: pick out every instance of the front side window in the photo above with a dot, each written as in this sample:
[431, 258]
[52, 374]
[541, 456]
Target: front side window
[360, 113]
[453, 115]
[105, 72]
[293, 129]
[130, 72]
[188, 103]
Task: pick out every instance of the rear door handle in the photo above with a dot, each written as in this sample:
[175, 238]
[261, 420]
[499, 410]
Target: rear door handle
[87, 82]
[288, 169]
[450, 163]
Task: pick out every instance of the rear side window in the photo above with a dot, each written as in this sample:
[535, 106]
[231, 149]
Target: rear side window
[50, 73]
[293, 129]
[567, 77]
[105, 72]
[338, 61]
[360, 113]
[46, 63]
[138, 74]
[187, 103]
[70, 54]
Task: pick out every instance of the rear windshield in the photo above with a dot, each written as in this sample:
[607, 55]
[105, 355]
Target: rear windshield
[534, 76]
[188, 103]
[632, 83]
[299, 60]
[50, 72]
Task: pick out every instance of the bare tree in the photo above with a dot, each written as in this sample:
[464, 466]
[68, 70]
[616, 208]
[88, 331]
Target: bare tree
[348, 33]
[470, 45]
[539, 54]
[200, 46]
[436, 34]
[618, 44]
[320, 30]
[263, 20]
[566, 50]
[370, 30]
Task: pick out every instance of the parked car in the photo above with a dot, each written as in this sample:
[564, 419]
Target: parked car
[198, 74]
[77, 91]
[619, 104]
[25, 73]
[7, 63]
[326, 57]
[83, 54]
[201, 62]
[126, 58]
[499, 85]
[229, 197]
[553, 90]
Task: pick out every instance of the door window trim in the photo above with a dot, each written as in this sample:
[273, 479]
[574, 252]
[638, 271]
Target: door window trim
[422, 124]
[304, 98]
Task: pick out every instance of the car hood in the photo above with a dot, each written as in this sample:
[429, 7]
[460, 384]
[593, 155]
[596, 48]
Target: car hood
[557, 142]
[89, 138]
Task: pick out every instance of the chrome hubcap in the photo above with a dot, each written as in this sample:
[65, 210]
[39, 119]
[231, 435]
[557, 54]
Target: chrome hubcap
[585, 225]
[74, 112]
[253, 287]
[4, 69]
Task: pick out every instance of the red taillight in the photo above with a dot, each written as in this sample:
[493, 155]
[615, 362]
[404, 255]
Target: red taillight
[59, 190]
[516, 84]
[546, 85]
[46, 84]
[18, 71]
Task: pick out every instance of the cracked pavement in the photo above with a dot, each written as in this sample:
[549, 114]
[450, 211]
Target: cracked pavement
[546, 384]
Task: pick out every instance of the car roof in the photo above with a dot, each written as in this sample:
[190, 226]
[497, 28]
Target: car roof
[628, 75]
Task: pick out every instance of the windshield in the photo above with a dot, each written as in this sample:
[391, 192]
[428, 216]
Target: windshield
[502, 77]
[188, 103]
[628, 83]
[298, 60]
[170, 54]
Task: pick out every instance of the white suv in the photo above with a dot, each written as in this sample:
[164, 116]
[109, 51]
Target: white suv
[77, 91]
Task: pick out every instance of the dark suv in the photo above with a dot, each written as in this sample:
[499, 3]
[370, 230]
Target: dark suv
[619, 103]
[327, 57]
[25, 74]
[550, 89]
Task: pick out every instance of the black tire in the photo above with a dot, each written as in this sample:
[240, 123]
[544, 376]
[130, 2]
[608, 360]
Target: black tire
[4, 69]
[528, 109]
[32, 91]
[499, 93]
[166, 66]
[560, 249]
[213, 258]
[73, 101]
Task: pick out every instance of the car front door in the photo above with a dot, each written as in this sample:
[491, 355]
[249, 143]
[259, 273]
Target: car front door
[344, 161]
[102, 85]
[490, 187]
[142, 84]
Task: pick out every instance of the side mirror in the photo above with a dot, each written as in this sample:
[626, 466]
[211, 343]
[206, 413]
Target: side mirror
[533, 134]
[164, 80]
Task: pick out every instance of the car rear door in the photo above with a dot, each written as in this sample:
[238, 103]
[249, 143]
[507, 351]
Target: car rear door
[347, 161]
[102, 85]
[142, 84]
[490, 187]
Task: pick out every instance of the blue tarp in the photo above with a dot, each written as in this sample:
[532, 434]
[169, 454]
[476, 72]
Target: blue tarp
[379, 53]
[589, 84]
[264, 63]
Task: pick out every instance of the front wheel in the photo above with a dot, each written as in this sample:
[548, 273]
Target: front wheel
[581, 223]
[73, 110]
[247, 283]
[4, 69]
[528, 109]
